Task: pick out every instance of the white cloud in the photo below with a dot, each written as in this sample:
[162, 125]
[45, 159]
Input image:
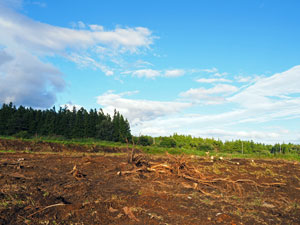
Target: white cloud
[212, 126]
[148, 73]
[214, 95]
[270, 98]
[141, 64]
[242, 79]
[212, 80]
[20, 31]
[81, 25]
[244, 135]
[28, 42]
[96, 27]
[267, 99]
[174, 73]
[270, 91]
[220, 74]
[244, 116]
[86, 61]
[212, 70]
[138, 110]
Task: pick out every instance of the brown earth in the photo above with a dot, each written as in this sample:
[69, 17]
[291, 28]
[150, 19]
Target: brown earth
[140, 189]
[44, 146]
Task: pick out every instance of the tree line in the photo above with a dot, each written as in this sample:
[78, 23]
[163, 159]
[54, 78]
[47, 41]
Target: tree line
[211, 144]
[27, 122]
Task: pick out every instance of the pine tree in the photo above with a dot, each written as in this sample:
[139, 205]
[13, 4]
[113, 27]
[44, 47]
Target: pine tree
[66, 123]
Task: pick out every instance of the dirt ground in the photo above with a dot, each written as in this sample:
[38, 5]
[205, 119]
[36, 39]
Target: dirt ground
[65, 188]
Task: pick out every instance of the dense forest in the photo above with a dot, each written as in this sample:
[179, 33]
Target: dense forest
[28, 122]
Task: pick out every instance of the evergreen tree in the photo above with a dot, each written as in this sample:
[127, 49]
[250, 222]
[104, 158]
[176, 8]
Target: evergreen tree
[66, 123]
[78, 127]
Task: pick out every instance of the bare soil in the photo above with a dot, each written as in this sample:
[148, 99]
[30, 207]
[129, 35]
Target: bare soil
[44, 146]
[89, 188]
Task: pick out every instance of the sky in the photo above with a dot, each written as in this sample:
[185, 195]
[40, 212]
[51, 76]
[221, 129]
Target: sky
[222, 69]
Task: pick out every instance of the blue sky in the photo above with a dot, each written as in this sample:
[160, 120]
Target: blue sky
[223, 69]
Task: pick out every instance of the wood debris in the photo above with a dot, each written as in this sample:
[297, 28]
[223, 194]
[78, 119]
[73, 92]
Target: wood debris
[129, 213]
[77, 174]
[180, 166]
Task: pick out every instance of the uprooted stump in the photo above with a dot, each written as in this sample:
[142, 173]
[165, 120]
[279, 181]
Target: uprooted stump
[180, 166]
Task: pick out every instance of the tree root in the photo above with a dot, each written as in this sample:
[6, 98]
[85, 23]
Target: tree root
[178, 166]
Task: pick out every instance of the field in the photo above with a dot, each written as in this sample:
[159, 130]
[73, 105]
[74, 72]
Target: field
[50, 184]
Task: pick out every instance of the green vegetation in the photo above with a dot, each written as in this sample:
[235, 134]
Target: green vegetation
[156, 148]
[74, 141]
[25, 123]
[94, 128]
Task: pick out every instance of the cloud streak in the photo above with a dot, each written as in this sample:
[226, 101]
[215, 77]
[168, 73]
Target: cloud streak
[214, 95]
[152, 74]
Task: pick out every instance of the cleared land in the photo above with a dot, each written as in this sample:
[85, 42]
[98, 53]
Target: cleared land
[129, 188]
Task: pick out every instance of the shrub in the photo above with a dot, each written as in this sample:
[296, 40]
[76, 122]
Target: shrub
[22, 134]
[143, 140]
[167, 142]
[205, 147]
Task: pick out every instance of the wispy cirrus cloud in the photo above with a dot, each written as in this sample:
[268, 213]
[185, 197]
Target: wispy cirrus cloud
[272, 97]
[246, 111]
[214, 95]
[152, 74]
[212, 70]
[217, 74]
[148, 73]
[242, 79]
[87, 61]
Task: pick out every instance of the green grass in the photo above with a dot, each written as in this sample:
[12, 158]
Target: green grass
[7, 151]
[176, 151]
[287, 156]
[154, 149]
[61, 140]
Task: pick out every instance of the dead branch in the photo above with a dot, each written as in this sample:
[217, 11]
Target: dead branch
[19, 176]
[47, 207]
[273, 184]
[179, 166]
[129, 213]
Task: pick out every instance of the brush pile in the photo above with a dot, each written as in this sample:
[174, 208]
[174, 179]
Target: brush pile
[191, 176]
